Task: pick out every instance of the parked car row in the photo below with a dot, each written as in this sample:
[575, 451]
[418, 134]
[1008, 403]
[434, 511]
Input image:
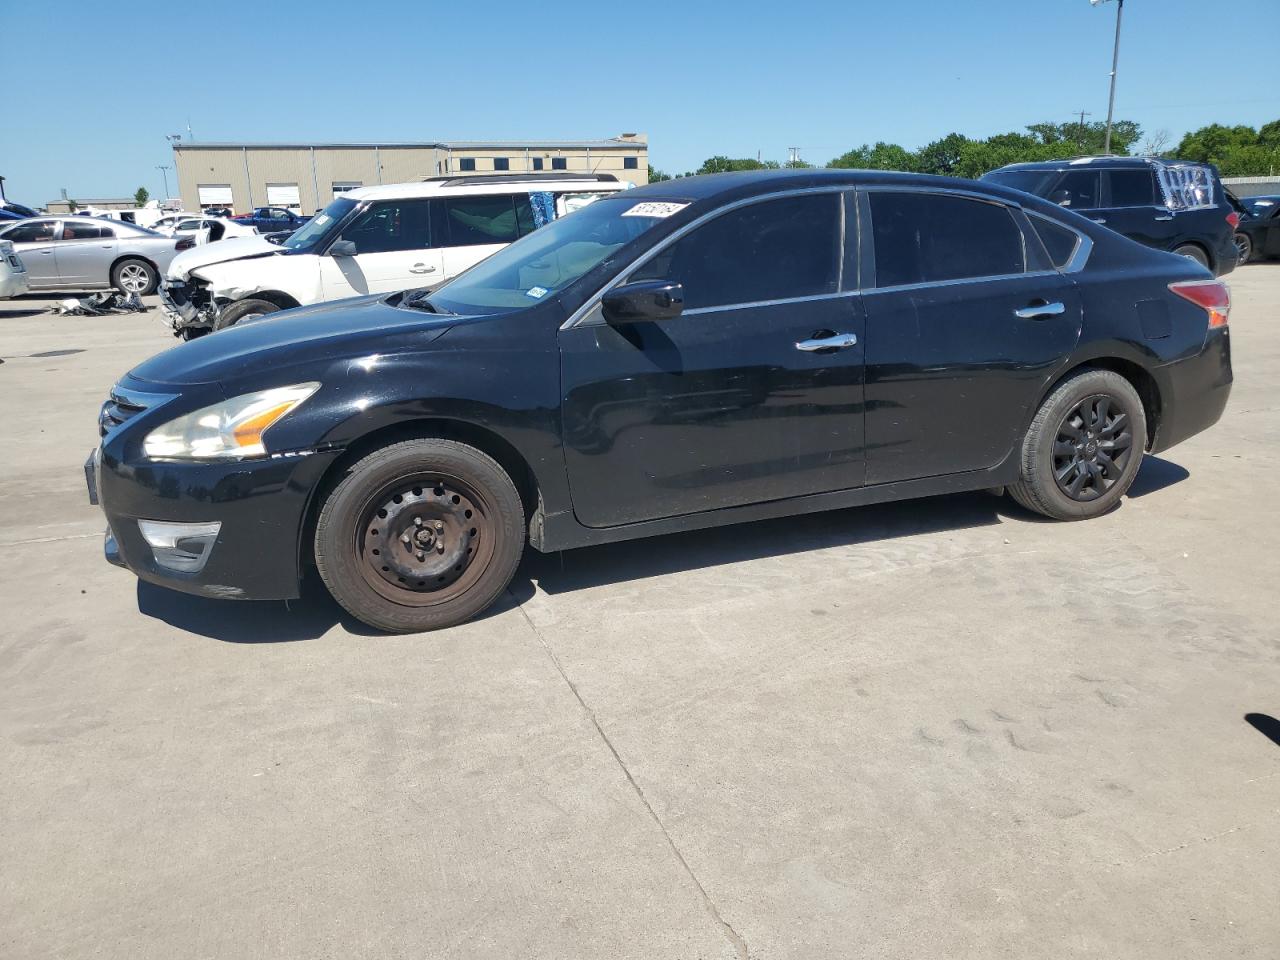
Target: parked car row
[73, 252]
[692, 353]
[372, 240]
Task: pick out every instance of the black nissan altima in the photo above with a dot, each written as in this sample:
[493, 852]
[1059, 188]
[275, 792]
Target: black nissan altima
[696, 352]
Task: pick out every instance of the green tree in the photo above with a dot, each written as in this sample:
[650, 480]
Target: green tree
[883, 156]
[141, 196]
[723, 164]
[657, 176]
[1238, 151]
[942, 156]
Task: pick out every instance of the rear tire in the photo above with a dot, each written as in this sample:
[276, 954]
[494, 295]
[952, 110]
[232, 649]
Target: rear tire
[420, 535]
[1083, 448]
[243, 309]
[1192, 252]
[132, 275]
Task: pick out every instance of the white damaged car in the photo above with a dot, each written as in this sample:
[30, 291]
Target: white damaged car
[370, 240]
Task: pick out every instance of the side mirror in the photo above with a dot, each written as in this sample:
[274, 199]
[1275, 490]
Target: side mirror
[643, 301]
[342, 248]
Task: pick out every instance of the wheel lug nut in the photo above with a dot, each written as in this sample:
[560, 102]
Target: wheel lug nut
[417, 521]
[439, 527]
[440, 548]
[422, 556]
[404, 538]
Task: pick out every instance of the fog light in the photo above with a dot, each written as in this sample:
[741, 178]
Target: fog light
[181, 547]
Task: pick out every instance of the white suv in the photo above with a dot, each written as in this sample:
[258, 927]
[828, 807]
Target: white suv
[371, 240]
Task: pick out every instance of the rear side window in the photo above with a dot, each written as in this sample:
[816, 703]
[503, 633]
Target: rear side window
[1132, 188]
[929, 237]
[473, 221]
[1077, 189]
[75, 230]
[773, 250]
[391, 226]
[1060, 242]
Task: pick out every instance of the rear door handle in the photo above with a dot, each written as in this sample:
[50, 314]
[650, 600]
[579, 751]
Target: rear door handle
[838, 341]
[421, 268]
[1163, 219]
[1038, 311]
[1098, 219]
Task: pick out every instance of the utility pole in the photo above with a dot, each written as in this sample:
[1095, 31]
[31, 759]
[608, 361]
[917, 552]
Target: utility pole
[1115, 62]
[164, 172]
[793, 156]
[1080, 139]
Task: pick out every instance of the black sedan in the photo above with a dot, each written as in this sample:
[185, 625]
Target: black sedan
[697, 352]
[1257, 235]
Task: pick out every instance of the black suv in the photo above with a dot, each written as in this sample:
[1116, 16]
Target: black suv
[1170, 205]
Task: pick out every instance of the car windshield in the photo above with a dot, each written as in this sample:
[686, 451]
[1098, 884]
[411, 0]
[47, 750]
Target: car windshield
[307, 236]
[546, 261]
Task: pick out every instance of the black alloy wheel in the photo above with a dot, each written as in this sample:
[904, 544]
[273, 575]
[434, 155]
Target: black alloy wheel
[1092, 449]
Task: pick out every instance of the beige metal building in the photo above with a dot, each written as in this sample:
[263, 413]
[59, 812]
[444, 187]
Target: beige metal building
[306, 176]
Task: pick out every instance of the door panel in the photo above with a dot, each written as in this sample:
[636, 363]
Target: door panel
[1129, 206]
[34, 244]
[714, 409]
[952, 372]
[393, 252]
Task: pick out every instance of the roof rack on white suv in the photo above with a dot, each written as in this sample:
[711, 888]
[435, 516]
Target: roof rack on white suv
[455, 181]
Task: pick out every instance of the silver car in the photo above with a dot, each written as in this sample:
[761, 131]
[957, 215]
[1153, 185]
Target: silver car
[74, 253]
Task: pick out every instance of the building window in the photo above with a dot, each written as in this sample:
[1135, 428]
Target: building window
[342, 186]
[559, 163]
[467, 164]
[501, 163]
[537, 163]
[630, 163]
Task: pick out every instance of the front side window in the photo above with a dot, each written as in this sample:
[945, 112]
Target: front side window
[472, 221]
[390, 226]
[931, 237]
[31, 232]
[1077, 189]
[76, 230]
[772, 250]
[1132, 188]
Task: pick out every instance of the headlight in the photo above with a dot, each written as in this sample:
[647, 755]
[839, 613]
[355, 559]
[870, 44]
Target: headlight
[230, 430]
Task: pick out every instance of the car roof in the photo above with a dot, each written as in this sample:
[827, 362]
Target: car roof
[458, 186]
[729, 186]
[1122, 163]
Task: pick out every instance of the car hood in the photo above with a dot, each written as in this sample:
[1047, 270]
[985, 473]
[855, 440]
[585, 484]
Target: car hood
[310, 337]
[221, 251]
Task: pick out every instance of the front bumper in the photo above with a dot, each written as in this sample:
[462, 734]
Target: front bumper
[261, 506]
[185, 304]
[1193, 391]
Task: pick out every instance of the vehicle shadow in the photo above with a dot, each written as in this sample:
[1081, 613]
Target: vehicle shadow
[1266, 725]
[315, 612]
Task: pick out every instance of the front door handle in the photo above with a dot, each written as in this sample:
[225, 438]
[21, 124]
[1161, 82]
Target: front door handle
[1040, 310]
[421, 268]
[837, 341]
[1098, 219]
[1165, 219]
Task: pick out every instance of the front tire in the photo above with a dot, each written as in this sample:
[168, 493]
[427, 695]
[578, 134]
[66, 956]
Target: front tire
[1083, 448]
[233, 313]
[420, 535]
[132, 275]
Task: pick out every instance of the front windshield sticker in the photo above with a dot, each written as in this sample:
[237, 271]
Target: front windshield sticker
[536, 292]
[323, 219]
[654, 209]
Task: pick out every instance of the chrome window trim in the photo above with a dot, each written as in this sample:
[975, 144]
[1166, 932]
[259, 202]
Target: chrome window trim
[698, 311]
[137, 398]
[952, 283]
[579, 316]
[1084, 244]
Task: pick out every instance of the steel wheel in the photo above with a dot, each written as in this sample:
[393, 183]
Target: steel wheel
[1092, 449]
[424, 540]
[134, 278]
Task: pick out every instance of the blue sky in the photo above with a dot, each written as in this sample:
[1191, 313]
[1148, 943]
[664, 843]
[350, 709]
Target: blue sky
[700, 78]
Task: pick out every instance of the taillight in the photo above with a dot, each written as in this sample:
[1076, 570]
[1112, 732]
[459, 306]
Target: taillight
[1212, 295]
[1233, 218]
[186, 243]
